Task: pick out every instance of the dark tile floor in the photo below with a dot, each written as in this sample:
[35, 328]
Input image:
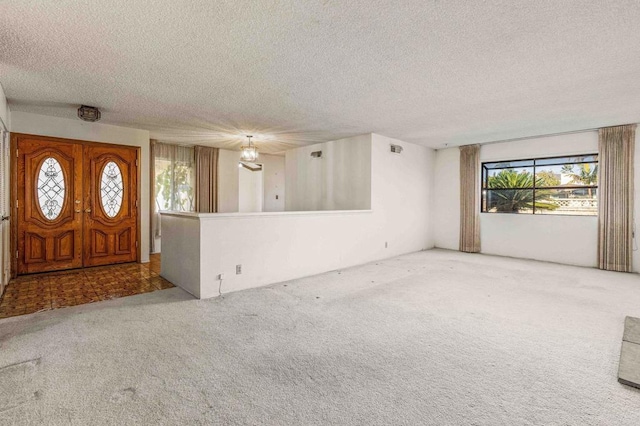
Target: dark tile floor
[41, 292]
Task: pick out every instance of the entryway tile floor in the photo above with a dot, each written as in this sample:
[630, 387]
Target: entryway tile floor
[41, 292]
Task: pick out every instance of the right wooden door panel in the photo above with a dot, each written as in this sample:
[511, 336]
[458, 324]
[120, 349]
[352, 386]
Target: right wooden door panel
[111, 211]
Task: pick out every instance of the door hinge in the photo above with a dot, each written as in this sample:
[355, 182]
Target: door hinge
[136, 244]
[16, 204]
[136, 162]
[17, 255]
[17, 156]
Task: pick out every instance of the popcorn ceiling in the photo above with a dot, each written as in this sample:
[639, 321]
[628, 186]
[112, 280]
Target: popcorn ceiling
[428, 72]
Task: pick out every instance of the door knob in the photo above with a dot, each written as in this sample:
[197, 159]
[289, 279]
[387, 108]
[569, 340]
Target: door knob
[78, 211]
[87, 211]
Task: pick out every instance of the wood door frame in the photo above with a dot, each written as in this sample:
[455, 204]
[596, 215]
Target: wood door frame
[13, 154]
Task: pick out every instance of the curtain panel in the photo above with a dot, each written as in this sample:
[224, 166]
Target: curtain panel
[469, 198]
[615, 211]
[206, 179]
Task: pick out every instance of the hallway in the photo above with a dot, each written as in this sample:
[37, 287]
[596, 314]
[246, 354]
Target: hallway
[42, 292]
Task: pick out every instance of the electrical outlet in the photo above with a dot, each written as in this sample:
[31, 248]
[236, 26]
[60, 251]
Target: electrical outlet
[276, 197]
[386, 244]
[238, 269]
[220, 276]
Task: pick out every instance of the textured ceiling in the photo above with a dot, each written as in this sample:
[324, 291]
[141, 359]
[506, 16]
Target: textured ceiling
[295, 72]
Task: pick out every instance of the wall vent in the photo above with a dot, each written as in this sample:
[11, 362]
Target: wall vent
[396, 149]
[316, 154]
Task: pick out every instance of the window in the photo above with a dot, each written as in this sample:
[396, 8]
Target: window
[558, 185]
[51, 188]
[174, 179]
[111, 189]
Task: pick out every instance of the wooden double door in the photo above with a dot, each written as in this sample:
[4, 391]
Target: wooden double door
[77, 203]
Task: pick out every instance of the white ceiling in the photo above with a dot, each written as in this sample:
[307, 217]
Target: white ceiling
[433, 72]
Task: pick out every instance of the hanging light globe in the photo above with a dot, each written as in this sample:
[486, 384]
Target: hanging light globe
[249, 153]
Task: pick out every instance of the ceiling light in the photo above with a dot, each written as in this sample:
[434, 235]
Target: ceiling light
[88, 113]
[249, 153]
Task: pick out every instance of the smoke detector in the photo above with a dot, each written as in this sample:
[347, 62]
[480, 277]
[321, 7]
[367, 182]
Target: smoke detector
[88, 113]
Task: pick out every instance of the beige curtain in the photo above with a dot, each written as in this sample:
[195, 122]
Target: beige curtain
[206, 179]
[615, 188]
[469, 198]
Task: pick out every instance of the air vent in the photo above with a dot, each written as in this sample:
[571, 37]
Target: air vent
[316, 154]
[88, 113]
[396, 149]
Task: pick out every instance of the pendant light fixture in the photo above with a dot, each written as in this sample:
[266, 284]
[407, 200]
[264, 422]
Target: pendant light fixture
[249, 153]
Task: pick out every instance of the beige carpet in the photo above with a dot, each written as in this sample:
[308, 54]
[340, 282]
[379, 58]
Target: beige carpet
[434, 337]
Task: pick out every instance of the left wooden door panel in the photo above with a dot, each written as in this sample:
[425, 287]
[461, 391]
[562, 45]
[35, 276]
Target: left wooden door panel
[49, 195]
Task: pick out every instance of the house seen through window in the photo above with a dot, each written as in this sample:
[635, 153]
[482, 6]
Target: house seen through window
[558, 185]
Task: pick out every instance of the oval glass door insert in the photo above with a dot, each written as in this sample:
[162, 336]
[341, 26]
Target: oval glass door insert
[51, 188]
[111, 189]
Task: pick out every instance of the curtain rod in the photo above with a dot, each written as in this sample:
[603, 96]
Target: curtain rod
[548, 135]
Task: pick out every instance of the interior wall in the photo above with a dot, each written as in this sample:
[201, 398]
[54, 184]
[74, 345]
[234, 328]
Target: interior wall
[273, 173]
[402, 194]
[339, 180]
[4, 182]
[4, 110]
[22, 122]
[446, 199]
[564, 239]
[250, 190]
[228, 183]
[398, 223]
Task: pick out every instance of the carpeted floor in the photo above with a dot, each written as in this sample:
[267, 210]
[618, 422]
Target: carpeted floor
[434, 337]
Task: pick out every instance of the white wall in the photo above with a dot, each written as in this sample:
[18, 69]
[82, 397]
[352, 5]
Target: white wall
[401, 194]
[4, 111]
[446, 199]
[228, 175]
[339, 180]
[279, 246]
[22, 122]
[228, 181]
[180, 252]
[564, 239]
[250, 190]
[273, 247]
[4, 181]
[571, 240]
[273, 173]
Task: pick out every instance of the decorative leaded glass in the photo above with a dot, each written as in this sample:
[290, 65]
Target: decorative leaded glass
[111, 189]
[51, 187]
